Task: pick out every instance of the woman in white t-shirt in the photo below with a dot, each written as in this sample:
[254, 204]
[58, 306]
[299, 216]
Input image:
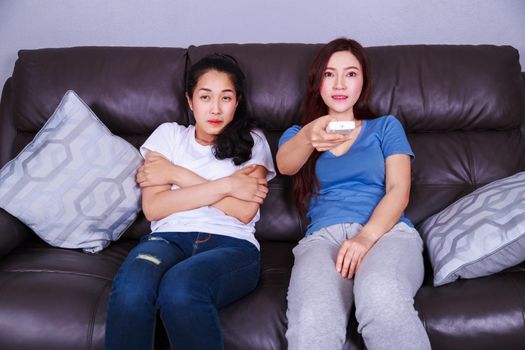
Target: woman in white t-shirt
[201, 189]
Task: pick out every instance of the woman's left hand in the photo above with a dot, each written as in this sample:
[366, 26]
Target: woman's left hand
[351, 253]
[155, 171]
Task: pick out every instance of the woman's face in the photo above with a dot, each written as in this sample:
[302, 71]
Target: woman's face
[342, 84]
[213, 104]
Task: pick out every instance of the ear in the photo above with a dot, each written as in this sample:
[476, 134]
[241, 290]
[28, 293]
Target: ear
[190, 102]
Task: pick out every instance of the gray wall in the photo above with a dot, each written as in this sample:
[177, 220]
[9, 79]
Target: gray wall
[28, 24]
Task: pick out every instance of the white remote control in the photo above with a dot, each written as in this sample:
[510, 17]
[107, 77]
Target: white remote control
[340, 127]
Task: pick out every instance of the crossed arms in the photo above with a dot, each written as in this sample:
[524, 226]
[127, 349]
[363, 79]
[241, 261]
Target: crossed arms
[238, 195]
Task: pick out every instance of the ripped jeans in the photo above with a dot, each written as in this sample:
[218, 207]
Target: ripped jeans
[187, 276]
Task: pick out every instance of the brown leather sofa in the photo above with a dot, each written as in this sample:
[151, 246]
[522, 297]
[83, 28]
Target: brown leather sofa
[463, 108]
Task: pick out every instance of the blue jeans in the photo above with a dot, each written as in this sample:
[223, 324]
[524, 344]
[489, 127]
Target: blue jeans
[185, 275]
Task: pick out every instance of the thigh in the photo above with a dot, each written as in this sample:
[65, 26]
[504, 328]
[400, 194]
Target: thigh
[314, 279]
[227, 272]
[148, 261]
[396, 260]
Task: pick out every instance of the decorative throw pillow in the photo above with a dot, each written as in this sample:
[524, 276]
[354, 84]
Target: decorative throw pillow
[480, 234]
[74, 184]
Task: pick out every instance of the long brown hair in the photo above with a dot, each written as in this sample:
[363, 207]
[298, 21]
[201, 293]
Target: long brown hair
[305, 183]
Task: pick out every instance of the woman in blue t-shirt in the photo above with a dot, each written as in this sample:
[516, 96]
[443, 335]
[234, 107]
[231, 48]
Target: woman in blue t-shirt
[354, 187]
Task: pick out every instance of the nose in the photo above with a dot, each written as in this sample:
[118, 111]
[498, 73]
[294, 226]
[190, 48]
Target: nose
[340, 83]
[215, 107]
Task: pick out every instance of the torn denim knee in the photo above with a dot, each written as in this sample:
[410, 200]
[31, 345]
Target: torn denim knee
[157, 238]
[149, 258]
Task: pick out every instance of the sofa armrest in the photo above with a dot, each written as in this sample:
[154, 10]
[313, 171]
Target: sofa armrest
[12, 232]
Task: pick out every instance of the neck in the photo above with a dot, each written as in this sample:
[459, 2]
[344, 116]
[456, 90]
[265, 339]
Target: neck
[205, 140]
[343, 116]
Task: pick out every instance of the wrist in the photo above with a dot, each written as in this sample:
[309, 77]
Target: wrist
[225, 186]
[370, 234]
[304, 135]
[176, 177]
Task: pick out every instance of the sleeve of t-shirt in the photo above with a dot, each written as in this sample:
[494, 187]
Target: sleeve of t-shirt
[261, 154]
[162, 140]
[289, 133]
[394, 138]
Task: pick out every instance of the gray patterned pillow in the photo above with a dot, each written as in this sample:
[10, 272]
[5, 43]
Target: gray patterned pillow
[480, 234]
[74, 184]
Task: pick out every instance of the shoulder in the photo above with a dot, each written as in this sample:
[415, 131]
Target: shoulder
[173, 132]
[294, 129]
[289, 133]
[384, 120]
[171, 128]
[386, 124]
[257, 135]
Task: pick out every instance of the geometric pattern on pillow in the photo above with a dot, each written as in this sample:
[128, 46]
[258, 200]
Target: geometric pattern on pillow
[74, 184]
[480, 234]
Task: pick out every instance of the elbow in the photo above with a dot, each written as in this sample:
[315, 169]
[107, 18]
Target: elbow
[403, 196]
[149, 213]
[248, 214]
[285, 170]
[282, 166]
[246, 219]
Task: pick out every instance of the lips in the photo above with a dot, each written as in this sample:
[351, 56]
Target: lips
[214, 121]
[339, 97]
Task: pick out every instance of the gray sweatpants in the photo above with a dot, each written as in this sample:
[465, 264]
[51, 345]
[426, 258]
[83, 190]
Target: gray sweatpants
[320, 299]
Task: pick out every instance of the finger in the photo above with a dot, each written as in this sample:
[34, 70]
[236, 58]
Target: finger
[257, 199]
[324, 148]
[340, 258]
[261, 181]
[353, 265]
[333, 137]
[327, 144]
[263, 189]
[249, 169]
[349, 257]
[261, 194]
[245, 171]
[154, 154]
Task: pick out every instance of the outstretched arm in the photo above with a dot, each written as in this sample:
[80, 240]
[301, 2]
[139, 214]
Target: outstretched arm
[384, 217]
[294, 153]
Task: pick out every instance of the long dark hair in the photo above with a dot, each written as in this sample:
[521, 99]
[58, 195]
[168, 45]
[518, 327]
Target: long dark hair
[235, 141]
[305, 183]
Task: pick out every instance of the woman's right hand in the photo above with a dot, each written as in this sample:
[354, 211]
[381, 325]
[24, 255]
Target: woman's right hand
[316, 134]
[246, 187]
[155, 171]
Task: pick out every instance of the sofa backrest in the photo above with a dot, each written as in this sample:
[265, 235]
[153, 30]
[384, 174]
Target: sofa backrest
[463, 107]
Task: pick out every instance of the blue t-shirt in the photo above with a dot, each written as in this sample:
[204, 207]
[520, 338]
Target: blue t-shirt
[352, 184]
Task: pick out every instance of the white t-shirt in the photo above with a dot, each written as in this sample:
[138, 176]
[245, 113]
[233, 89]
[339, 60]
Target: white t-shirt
[177, 143]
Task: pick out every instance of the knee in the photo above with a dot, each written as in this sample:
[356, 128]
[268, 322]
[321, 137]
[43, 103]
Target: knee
[130, 297]
[381, 297]
[133, 284]
[181, 291]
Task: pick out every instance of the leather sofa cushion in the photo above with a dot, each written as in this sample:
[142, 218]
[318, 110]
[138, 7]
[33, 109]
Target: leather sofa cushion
[132, 90]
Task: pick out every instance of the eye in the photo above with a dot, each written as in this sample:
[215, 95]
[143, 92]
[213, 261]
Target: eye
[351, 74]
[328, 74]
[227, 98]
[204, 98]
